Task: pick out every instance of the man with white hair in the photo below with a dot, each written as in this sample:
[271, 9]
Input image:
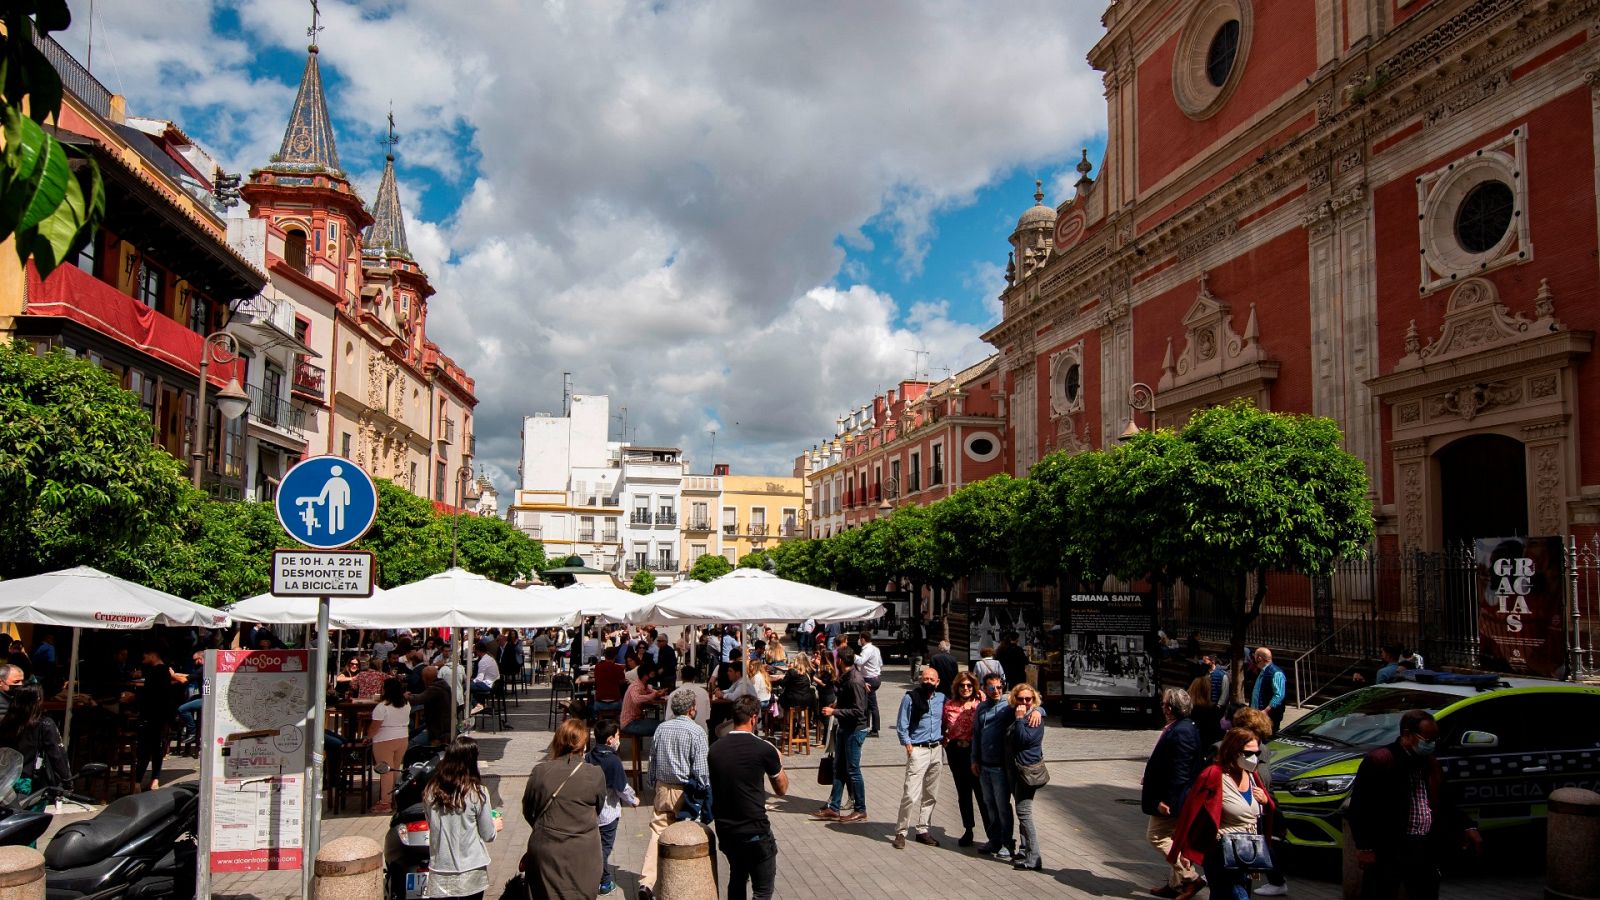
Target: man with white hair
[1271, 688]
[945, 663]
[677, 757]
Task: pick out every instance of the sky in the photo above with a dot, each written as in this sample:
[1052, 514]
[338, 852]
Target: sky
[740, 217]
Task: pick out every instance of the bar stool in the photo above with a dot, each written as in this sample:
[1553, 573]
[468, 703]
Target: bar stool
[353, 775]
[637, 749]
[797, 729]
[563, 689]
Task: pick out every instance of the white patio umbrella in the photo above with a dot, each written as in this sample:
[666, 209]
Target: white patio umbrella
[269, 609]
[751, 595]
[604, 602]
[85, 597]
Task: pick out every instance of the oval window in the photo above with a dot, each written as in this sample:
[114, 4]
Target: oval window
[1222, 53]
[982, 446]
[1484, 216]
[1074, 382]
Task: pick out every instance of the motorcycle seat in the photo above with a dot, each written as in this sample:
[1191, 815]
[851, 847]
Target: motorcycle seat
[91, 841]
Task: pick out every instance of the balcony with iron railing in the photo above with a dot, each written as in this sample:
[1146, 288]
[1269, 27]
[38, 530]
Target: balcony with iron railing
[586, 534]
[275, 411]
[308, 378]
[652, 565]
[640, 517]
[789, 531]
[447, 430]
[666, 517]
[698, 523]
[758, 529]
[935, 476]
[730, 528]
[608, 536]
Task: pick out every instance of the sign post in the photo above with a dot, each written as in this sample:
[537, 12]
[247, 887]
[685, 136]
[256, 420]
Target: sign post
[325, 502]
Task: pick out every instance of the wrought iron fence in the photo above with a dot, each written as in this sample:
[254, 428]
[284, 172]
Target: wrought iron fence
[1584, 586]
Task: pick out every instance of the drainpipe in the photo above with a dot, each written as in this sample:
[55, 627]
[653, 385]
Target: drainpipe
[333, 382]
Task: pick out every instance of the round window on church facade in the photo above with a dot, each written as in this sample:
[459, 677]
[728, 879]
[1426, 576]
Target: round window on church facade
[1224, 50]
[1213, 49]
[1484, 216]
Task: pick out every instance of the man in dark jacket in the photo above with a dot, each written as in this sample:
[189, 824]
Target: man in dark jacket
[1400, 817]
[1168, 774]
[946, 665]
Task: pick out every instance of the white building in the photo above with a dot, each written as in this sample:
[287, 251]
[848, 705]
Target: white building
[652, 493]
[569, 478]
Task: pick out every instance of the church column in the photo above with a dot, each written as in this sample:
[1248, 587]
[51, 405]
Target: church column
[1414, 493]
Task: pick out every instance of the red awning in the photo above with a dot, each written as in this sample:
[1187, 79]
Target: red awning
[72, 293]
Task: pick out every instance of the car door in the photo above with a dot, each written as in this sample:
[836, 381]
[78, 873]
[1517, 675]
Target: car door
[1504, 754]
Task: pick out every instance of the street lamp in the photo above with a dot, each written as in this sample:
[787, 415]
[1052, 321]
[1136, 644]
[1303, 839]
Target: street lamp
[1140, 397]
[462, 474]
[232, 401]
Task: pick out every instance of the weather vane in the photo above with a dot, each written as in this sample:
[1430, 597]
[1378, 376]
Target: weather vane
[390, 139]
[312, 31]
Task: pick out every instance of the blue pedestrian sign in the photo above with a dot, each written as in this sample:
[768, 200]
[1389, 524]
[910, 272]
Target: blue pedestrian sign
[327, 502]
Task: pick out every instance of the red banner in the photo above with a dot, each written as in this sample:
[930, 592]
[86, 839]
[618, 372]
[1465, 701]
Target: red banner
[1522, 611]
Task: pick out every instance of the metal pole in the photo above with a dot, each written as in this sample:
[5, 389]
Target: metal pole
[197, 453]
[1575, 628]
[311, 813]
[72, 683]
[455, 676]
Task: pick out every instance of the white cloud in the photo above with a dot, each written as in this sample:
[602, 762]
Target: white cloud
[656, 193]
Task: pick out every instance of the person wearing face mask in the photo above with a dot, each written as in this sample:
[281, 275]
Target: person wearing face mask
[1401, 818]
[920, 726]
[1229, 797]
[619, 793]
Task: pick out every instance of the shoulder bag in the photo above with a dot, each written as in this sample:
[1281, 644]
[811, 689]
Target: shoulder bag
[1033, 774]
[1248, 851]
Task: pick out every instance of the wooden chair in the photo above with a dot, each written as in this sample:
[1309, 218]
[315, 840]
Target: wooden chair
[636, 748]
[352, 775]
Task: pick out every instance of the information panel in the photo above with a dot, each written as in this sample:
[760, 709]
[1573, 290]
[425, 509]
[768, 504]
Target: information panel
[1108, 649]
[257, 715]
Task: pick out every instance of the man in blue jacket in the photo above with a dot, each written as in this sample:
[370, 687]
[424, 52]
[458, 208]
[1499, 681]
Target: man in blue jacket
[1271, 688]
[994, 718]
[1172, 767]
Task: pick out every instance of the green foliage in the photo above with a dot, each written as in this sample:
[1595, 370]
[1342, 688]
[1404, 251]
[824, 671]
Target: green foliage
[644, 582]
[489, 546]
[803, 561]
[408, 540]
[911, 545]
[216, 553]
[974, 528]
[755, 559]
[82, 479]
[51, 210]
[709, 566]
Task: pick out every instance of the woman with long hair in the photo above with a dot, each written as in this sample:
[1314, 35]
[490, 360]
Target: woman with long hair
[563, 801]
[798, 691]
[389, 732]
[1229, 797]
[27, 730]
[960, 711]
[1026, 749]
[460, 824]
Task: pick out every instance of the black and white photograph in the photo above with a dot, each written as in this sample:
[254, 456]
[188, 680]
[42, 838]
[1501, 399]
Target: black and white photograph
[1109, 646]
[992, 615]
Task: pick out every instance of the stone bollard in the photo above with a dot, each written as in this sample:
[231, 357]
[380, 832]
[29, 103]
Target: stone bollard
[1572, 870]
[21, 874]
[349, 868]
[684, 865]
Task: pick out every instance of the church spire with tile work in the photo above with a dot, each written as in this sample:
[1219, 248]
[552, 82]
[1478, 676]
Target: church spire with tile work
[308, 141]
[387, 236]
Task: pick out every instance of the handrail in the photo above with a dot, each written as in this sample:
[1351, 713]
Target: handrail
[1302, 660]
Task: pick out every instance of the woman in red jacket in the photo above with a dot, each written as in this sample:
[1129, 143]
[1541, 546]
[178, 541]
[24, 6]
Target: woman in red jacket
[1228, 797]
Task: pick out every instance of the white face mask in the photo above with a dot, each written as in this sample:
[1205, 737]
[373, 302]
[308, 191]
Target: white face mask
[1249, 761]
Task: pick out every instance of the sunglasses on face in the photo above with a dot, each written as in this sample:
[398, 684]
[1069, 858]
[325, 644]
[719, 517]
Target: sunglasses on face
[1024, 699]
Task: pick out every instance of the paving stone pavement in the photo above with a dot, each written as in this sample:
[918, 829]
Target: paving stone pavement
[1090, 826]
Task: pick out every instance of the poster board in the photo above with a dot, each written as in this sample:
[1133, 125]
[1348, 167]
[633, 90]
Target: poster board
[1521, 605]
[990, 614]
[254, 751]
[1108, 654]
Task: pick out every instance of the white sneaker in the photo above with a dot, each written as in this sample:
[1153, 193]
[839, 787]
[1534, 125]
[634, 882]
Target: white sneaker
[1272, 890]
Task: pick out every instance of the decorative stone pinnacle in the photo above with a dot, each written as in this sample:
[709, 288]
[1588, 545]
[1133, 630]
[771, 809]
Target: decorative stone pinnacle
[1038, 191]
[1084, 166]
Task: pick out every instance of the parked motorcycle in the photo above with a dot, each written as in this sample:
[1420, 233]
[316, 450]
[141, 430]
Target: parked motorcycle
[23, 820]
[140, 847]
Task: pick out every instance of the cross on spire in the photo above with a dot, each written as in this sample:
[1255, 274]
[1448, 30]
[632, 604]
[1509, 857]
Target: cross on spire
[391, 139]
[311, 32]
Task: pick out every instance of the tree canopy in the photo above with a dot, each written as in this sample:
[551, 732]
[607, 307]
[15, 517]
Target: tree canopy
[709, 566]
[82, 478]
[644, 582]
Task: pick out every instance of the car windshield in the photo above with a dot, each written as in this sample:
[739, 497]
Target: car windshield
[1369, 717]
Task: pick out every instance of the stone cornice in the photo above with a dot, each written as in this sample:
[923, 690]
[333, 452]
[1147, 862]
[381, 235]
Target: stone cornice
[1557, 346]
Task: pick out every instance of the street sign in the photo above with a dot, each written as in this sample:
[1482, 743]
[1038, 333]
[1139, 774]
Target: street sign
[327, 502]
[322, 573]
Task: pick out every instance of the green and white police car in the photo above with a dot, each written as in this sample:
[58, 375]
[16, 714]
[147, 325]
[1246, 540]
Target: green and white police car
[1503, 749]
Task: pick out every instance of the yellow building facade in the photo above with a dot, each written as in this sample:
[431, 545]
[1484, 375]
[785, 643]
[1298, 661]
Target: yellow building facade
[734, 515]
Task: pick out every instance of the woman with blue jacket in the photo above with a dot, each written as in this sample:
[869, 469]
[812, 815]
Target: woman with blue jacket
[1027, 749]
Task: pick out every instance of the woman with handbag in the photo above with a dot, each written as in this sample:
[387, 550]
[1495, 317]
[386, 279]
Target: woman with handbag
[563, 802]
[1223, 819]
[1028, 772]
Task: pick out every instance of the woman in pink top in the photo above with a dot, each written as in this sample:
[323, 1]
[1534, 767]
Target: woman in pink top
[959, 713]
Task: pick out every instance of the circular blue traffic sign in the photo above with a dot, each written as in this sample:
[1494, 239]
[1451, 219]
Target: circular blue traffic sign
[327, 502]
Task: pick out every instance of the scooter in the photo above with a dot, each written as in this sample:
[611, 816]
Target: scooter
[405, 847]
[140, 846]
[23, 820]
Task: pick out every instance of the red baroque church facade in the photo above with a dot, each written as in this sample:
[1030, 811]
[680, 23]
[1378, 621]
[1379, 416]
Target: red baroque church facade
[1382, 211]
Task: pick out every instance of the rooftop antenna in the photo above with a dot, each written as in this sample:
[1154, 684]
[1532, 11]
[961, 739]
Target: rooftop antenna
[88, 56]
[917, 372]
[566, 395]
[713, 450]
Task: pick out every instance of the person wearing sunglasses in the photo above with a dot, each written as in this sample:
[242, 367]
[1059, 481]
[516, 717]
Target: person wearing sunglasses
[992, 721]
[1027, 749]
